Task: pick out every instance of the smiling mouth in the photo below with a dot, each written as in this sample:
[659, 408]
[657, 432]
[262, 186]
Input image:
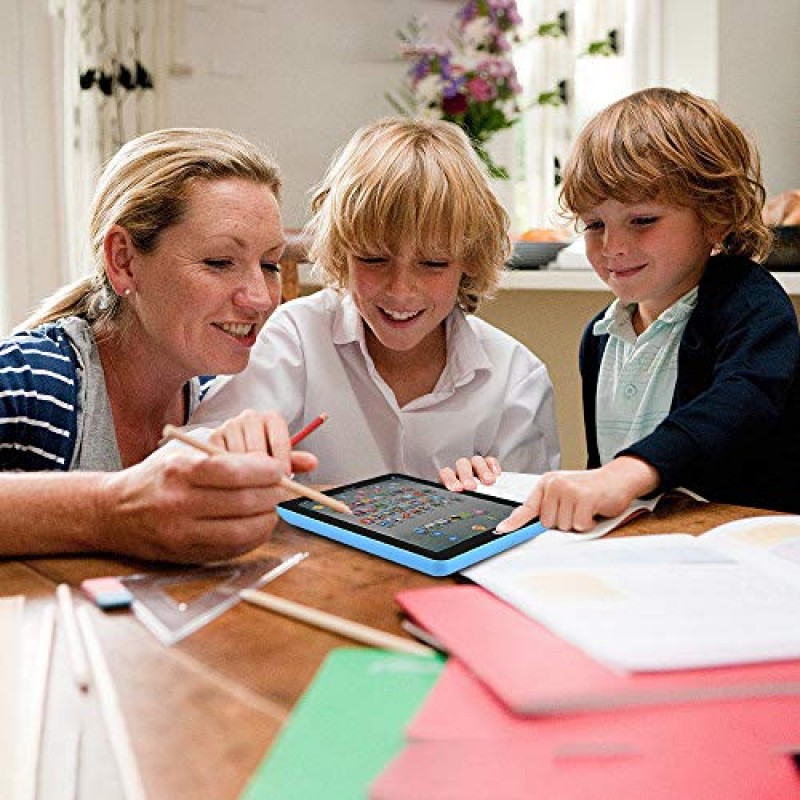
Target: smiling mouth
[400, 316]
[621, 273]
[239, 330]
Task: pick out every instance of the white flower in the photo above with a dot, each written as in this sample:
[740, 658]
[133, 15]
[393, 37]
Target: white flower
[509, 108]
[469, 59]
[429, 112]
[429, 89]
[477, 32]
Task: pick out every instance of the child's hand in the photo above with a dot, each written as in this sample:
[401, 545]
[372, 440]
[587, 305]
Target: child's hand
[463, 477]
[265, 432]
[570, 500]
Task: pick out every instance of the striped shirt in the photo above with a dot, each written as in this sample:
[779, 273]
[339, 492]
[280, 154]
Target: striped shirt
[39, 383]
[49, 392]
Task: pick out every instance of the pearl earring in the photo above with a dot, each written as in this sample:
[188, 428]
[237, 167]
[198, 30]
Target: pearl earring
[127, 293]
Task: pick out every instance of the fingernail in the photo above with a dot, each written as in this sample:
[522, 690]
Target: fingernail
[502, 527]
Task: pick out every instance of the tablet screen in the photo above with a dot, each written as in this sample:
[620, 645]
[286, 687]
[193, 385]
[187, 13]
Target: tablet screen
[418, 515]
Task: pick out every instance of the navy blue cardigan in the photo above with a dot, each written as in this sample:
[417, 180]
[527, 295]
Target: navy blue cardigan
[733, 431]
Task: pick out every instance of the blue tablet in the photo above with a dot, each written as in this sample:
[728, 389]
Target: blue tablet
[414, 522]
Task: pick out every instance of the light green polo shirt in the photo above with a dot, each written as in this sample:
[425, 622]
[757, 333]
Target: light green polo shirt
[637, 375]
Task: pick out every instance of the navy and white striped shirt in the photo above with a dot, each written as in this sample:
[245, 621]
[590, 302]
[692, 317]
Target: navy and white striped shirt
[39, 384]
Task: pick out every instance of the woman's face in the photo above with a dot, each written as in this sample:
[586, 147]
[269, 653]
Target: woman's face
[201, 297]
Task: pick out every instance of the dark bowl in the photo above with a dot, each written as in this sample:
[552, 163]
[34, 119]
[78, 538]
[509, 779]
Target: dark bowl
[785, 253]
[534, 255]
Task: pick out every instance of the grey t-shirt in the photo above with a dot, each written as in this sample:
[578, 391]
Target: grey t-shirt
[96, 447]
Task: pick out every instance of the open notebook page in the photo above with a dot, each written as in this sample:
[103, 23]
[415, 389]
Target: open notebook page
[658, 602]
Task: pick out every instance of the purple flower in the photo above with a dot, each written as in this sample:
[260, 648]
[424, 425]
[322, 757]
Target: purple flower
[453, 86]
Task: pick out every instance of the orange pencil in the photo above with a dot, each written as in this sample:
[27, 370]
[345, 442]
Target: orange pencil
[310, 428]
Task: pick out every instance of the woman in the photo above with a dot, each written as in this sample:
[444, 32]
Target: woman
[186, 236]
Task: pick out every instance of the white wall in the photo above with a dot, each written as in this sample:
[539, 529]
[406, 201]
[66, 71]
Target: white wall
[298, 76]
[689, 35]
[759, 81]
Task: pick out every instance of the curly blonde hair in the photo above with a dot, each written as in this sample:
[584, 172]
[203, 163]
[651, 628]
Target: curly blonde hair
[402, 181]
[678, 148]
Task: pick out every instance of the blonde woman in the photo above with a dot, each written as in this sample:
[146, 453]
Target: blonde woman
[186, 235]
[410, 240]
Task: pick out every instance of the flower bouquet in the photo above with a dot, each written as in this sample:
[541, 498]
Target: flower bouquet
[470, 81]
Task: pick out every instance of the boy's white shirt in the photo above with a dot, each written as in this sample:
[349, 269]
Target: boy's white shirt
[494, 396]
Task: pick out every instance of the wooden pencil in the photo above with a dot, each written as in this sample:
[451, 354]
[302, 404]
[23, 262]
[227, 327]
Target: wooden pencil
[171, 432]
[334, 624]
[77, 659]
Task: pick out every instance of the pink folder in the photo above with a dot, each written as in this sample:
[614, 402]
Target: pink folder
[517, 769]
[460, 708]
[533, 671]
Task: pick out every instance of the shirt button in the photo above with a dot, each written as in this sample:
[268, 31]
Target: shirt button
[630, 390]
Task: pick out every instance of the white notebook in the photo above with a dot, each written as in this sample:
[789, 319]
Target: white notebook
[661, 602]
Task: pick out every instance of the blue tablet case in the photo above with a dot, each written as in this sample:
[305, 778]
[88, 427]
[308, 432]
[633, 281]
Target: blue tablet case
[430, 566]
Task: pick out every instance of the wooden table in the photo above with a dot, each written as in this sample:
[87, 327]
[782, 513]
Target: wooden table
[202, 713]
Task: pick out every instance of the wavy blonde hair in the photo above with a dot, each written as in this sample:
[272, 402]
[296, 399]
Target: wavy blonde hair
[401, 181]
[678, 148]
[144, 188]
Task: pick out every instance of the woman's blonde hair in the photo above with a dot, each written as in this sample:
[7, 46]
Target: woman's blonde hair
[144, 188]
[403, 181]
[678, 148]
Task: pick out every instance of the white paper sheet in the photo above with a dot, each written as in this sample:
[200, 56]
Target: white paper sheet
[650, 603]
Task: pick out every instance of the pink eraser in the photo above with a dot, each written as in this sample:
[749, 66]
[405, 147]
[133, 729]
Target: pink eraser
[107, 593]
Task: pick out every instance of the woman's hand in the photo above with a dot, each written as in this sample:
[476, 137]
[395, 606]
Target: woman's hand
[486, 469]
[181, 505]
[262, 432]
[570, 500]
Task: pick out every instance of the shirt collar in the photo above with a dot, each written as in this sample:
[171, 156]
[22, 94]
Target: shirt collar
[618, 319]
[466, 354]
[348, 327]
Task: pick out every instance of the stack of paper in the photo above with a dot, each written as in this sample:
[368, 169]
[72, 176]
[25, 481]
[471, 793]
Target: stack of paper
[730, 596]
[520, 713]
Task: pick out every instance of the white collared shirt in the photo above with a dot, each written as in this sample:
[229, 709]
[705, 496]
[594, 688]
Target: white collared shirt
[494, 397]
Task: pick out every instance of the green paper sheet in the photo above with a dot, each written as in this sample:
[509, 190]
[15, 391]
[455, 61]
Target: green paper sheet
[346, 727]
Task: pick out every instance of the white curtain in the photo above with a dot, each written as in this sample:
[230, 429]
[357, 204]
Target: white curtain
[547, 76]
[55, 136]
[116, 55]
[610, 48]
[31, 224]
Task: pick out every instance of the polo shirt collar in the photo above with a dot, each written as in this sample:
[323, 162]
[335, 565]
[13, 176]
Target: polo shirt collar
[618, 319]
